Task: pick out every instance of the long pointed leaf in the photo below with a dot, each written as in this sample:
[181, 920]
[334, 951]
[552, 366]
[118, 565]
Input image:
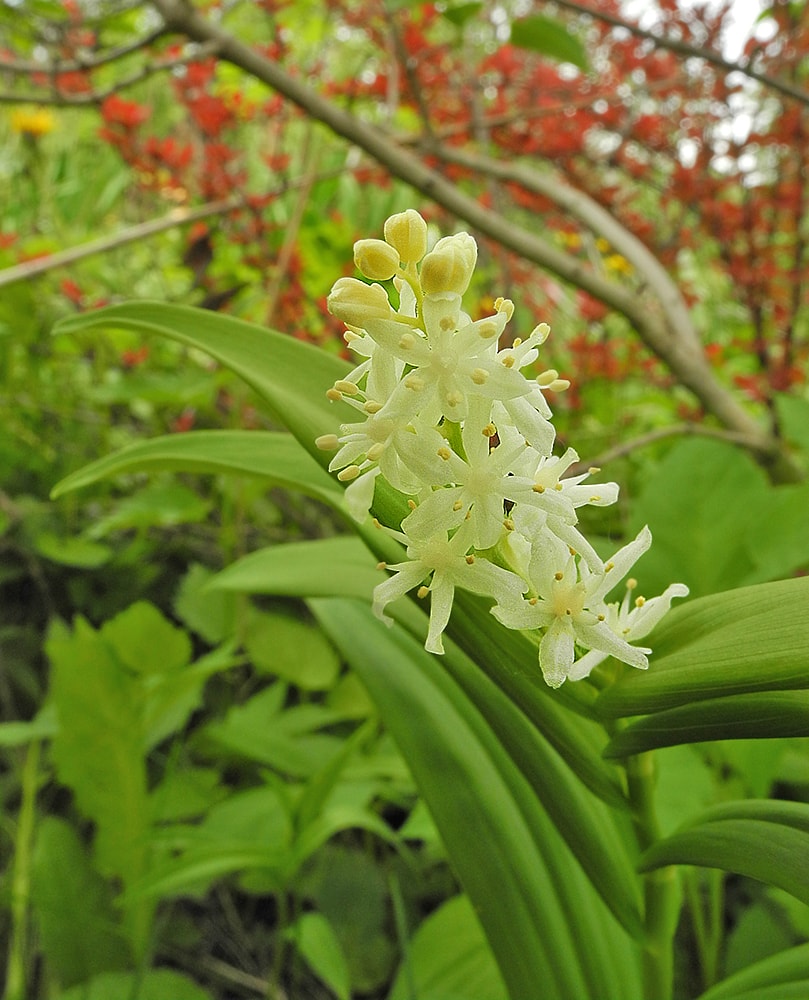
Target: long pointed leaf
[764, 715]
[765, 840]
[527, 898]
[273, 455]
[772, 978]
[291, 376]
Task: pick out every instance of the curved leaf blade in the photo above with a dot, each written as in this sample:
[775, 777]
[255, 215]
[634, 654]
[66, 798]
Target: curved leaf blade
[271, 454]
[291, 376]
[764, 840]
[766, 715]
[778, 977]
[528, 899]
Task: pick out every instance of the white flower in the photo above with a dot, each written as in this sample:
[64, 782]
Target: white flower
[569, 606]
[631, 619]
[449, 564]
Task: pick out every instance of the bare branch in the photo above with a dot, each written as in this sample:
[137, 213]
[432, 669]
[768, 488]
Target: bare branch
[24, 67]
[652, 437]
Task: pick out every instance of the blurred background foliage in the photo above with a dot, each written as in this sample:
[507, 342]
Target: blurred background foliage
[148, 726]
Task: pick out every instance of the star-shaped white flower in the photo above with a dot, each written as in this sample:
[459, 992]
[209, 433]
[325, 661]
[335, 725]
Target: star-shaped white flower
[569, 606]
[448, 564]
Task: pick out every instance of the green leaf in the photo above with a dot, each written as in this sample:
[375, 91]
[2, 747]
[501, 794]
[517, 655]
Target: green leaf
[322, 568]
[154, 984]
[780, 977]
[78, 928]
[211, 615]
[291, 376]
[763, 715]
[79, 552]
[271, 455]
[742, 641]
[449, 959]
[704, 544]
[146, 642]
[549, 37]
[763, 839]
[316, 942]
[156, 505]
[536, 910]
[460, 13]
[295, 650]
[41, 727]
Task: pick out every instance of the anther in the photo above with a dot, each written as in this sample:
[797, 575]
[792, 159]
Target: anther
[349, 388]
[469, 559]
[333, 394]
[348, 473]
[422, 592]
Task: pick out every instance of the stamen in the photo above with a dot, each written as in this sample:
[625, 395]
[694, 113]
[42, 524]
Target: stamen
[349, 388]
[327, 442]
[444, 452]
[469, 559]
[382, 565]
[372, 406]
[334, 394]
[422, 592]
[348, 473]
[479, 376]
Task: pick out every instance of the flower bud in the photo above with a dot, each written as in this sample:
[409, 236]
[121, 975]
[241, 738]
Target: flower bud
[376, 259]
[449, 265]
[355, 303]
[407, 233]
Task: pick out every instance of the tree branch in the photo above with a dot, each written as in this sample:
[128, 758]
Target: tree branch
[688, 364]
[692, 51]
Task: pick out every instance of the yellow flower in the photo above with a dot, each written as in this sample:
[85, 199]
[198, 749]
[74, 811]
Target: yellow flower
[616, 263]
[32, 121]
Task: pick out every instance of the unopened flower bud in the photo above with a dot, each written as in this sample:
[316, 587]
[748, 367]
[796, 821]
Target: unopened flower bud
[376, 259]
[449, 265]
[407, 233]
[355, 303]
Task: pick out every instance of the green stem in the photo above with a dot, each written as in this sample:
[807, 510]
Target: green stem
[661, 887]
[21, 878]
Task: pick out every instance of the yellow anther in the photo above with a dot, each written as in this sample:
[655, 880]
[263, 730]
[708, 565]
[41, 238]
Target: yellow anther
[348, 473]
[327, 442]
[454, 398]
[444, 452]
[571, 550]
[422, 592]
[489, 431]
[594, 470]
[406, 341]
[602, 618]
[411, 504]
[508, 524]
[508, 361]
[558, 576]
[559, 385]
[558, 487]
[381, 565]
[538, 488]
[631, 583]
[333, 394]
[505, 306]
[346, 387]
[479, 376]
[639, 602]
[544, 379]
[487, 329]
[372, 406]
[414, 382]
[608, 566]
[517, 342]
[447, 323]
[594, 499]
[469, 559]
[376, 523]
[457, 505]
[375, 451]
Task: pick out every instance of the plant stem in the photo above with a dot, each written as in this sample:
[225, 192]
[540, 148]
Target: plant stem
[661, 887]
[21, 878]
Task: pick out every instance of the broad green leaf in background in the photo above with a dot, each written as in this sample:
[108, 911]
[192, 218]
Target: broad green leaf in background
[754, 639]
[292, 649]
[316, 942]
[764, 839]
[489, 820]
[549, 37]
[449, 959]
[154, 984]
[717, 522]
[76, 921]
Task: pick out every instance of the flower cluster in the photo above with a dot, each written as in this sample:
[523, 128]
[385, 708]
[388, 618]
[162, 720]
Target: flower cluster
[447, 417]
